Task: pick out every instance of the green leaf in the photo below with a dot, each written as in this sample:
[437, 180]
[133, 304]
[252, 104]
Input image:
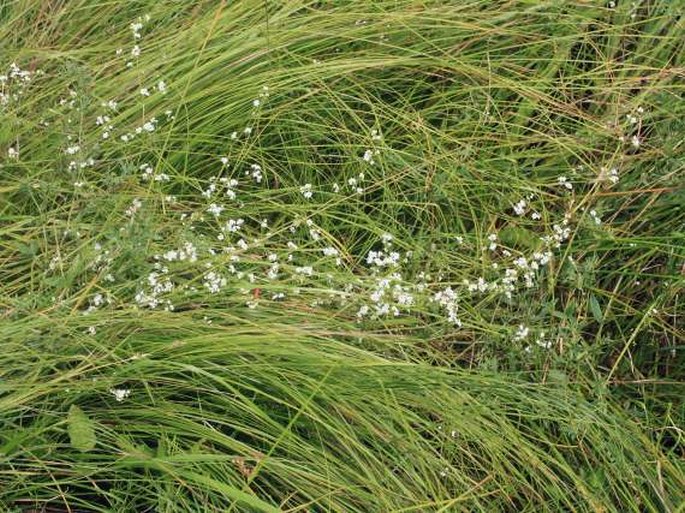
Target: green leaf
[81, 430]
[558, 377]
[518, 237]
[595, 308]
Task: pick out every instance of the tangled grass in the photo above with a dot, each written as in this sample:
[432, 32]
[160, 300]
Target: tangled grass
[389, 256]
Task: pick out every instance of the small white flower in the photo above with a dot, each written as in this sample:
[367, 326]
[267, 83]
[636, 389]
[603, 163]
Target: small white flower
[306, 270]
[234, 225]
[120, 393]
[135, 51]
[563, 181]
[306, 190]
[256, 171]
[136, 27]
[144, 91]
[635, 141]
[595, 217]
[520, 207]
[161, 86]
[493, 241]
[613, 175]
[215, 209]
[521, 333]
[12, 153]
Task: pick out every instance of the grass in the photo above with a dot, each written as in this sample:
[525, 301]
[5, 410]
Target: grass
[440, 267]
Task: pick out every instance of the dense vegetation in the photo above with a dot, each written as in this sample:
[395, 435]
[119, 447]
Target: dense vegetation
[342, 256]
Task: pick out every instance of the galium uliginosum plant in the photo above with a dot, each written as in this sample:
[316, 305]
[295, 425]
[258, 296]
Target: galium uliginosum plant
[388, 256]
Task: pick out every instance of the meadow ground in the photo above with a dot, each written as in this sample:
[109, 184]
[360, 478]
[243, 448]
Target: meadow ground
[342, 256]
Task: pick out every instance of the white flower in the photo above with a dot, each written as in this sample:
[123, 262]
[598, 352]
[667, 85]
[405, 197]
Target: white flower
[256, 172]
[447, 298]
[306, 190]
[493, 241]
[234, 225]
[135, 51]
[521, 333]
[214, 282]
[135, 206]
[563, 181]
[12, 153]
[306, 270]
[595, 217]
[613, 175]
[120, 393]
[520, 207]
[330, 251]
[144, 91]
[215, 209]
[161, 86]
[368, 157]
[136, 27]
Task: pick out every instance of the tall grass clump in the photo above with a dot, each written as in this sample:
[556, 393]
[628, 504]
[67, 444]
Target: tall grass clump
[383, 256]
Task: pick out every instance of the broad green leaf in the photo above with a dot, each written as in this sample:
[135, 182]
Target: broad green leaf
[595, 308]
[517, 237]
[81, 431]
[558, 377]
